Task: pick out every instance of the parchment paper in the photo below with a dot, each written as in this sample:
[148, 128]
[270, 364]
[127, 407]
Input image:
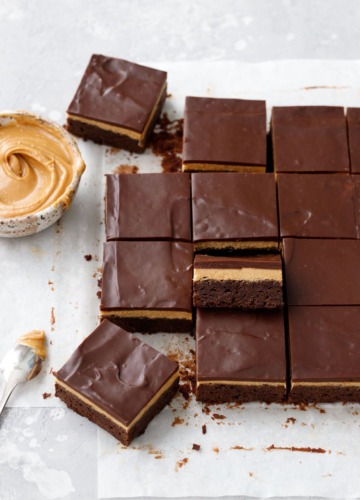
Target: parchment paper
[46, 282]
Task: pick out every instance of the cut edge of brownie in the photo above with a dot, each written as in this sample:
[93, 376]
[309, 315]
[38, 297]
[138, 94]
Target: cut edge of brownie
[94, 131]
[248, 246]
[325, 392]
[145, 324]
[227, 392]
[124, 434]
[259, 294]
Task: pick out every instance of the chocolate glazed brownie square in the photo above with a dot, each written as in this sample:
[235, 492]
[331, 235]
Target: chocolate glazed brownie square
[309, 139]
[147, 285]
[324, 354]
[316, 206]
[322, 272]
[148, 207]
[240, 356]
[353, 123]
[117, 103]
[234, 212]
[224, 135]
[117, 381]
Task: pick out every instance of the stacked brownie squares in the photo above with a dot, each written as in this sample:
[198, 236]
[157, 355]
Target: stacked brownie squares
[318, 202]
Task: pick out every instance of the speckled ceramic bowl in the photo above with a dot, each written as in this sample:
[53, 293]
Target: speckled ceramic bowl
[24, 225]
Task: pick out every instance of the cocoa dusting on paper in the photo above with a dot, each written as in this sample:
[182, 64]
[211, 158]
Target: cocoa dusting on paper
[166, 142]
[125, 169]
[295, 448]
[177, 421]
[181, 464]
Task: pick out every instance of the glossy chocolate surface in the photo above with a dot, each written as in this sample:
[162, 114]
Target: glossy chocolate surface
[309, 139]
[235, 345]
[316, 206]
[147, 275]
[353, 123]
[356, 182]
[324, 343]
[322, 272]
[234, 206]
[116, 371]
[117, 92]
[148, 206]
[254, 261]
[224, 131]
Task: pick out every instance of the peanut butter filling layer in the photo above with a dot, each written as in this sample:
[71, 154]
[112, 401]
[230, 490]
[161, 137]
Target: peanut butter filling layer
[145, 313]
[117, 129]
[326, 384]
[213, 167]
[244, 274]
[36, 340]
[38, 163]
[151, 403]
[237, 245]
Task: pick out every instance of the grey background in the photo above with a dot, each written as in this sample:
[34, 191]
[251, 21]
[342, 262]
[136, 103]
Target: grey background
[48, 41]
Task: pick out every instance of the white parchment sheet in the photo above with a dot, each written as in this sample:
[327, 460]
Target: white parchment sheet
[46, 282]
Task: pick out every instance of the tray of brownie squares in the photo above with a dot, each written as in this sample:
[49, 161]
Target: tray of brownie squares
[251, 248]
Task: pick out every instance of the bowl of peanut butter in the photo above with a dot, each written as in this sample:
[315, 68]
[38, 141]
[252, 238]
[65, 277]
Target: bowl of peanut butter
[40, 171]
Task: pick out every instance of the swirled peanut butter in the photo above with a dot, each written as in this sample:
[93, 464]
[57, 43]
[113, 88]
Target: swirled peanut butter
[37, 165]
[36, 340]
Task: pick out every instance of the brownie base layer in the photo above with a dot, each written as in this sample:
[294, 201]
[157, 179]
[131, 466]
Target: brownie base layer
[124, 436]
[324, 394]
[228, 393]
[120, 141]
[265, 294]
[147, 325]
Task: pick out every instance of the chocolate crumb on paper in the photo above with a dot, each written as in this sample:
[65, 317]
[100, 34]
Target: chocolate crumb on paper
[46, 395]
[125, 169]
[295, 448]
[196, 447]
[166, 142]
[88, 257]
[181, 463]
[177, 421]
[204, 429]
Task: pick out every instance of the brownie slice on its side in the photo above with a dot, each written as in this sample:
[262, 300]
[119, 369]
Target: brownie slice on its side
[248, 282]
[117, 381]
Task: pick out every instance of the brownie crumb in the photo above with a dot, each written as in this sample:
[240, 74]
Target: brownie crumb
[204, 429]
[125, 169]
[177, 421]
[196, 447]
[52, 316]
[46, 395]
[98, 294]
[166, 142]
[88, 257]
[242, 448]
[217, 416]
[290, 420]
[184, 390]
[216, 449]
[181, 463]
[99, 282]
